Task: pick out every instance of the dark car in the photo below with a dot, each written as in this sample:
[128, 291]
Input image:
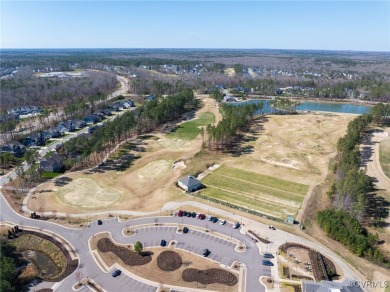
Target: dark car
[116, 273]
[185, 230]
[189, 214]
[268, 256]
[163, 242]
[184, 213]
[206, 252]
[100, 222]
[267, 263]
[202, 216]
[214, 220]
[193, 214]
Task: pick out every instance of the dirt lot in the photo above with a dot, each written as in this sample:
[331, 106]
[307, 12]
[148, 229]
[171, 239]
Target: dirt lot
[153, 273]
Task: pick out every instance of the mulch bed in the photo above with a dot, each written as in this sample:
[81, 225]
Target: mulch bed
[169, 261]
[263, 240]
[129, 257]
[210, 276]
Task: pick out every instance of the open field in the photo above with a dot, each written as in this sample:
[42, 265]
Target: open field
[264, 194]
[152, 272]
[189, 130]
[384, 156]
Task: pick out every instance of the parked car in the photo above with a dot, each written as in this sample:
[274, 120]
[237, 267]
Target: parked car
[271, 227]
[236, 225]
[267, 263]
[197, 216]
[100, 222]
[202, 216]
[184, 213]
[268, 256]
[163, 242]
[223, 222]
[206, 252]
[185, 230]
[189, 214]
[180, 213]
[214, 220]
[209, 218]
[116, 273]
[193, 214]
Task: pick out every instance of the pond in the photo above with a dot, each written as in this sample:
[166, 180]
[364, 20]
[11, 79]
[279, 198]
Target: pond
[44, 264]
[347, 108]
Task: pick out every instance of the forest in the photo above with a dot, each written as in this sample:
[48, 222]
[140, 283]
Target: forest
[26, 89]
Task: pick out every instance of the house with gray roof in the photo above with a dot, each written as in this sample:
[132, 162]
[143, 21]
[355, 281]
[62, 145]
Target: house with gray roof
[52, 163]
[329, 286]
[189, 183]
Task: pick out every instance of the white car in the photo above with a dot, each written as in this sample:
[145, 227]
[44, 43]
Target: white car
[222, 222]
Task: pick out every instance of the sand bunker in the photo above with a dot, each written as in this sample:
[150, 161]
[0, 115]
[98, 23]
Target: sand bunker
[174, 144]
[285, 162]
[88, 194]
[155, 169]
[179, 165]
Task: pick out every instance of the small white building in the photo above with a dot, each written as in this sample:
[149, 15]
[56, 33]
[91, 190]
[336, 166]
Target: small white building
[189, 183]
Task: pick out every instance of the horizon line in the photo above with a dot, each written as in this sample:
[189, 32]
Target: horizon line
[173, 48]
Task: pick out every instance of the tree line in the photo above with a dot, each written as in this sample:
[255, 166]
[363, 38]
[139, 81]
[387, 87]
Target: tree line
[346, 229]
[86, 149]
[350, 192]
[8, 269]
[351, 185]
[236, 120]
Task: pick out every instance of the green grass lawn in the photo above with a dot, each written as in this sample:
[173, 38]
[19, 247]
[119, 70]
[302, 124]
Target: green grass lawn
[189, 130]
[384, 156]
[265, 194]
[50, 174]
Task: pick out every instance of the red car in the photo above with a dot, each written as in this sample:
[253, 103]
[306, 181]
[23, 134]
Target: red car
[180, 213]
[202, 216]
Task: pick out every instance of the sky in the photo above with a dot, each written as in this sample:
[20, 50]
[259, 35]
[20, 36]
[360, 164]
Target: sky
[317, 25]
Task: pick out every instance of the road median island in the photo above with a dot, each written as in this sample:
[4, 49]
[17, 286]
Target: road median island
[210, 276]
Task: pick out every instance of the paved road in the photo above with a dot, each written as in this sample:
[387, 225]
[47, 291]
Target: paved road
[195, 241]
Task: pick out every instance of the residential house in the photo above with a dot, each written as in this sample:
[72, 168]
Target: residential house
[150, 97]
[52, 163]
[189, 183]
[229, 98]
[68, 125]
[128, 103]
[14, 147]
[79, 124]
[91, 119]
[35, 139]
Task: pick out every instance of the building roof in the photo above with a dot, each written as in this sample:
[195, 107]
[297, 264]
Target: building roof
[327, 286]
[189, 181]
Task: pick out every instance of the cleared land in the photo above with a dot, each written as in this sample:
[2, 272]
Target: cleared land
[189, 130]
[264, 194]
[384, 156]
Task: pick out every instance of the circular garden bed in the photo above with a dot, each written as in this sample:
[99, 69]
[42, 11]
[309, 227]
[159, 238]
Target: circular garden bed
[169, 261]
[210, 276]
[129, 257]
